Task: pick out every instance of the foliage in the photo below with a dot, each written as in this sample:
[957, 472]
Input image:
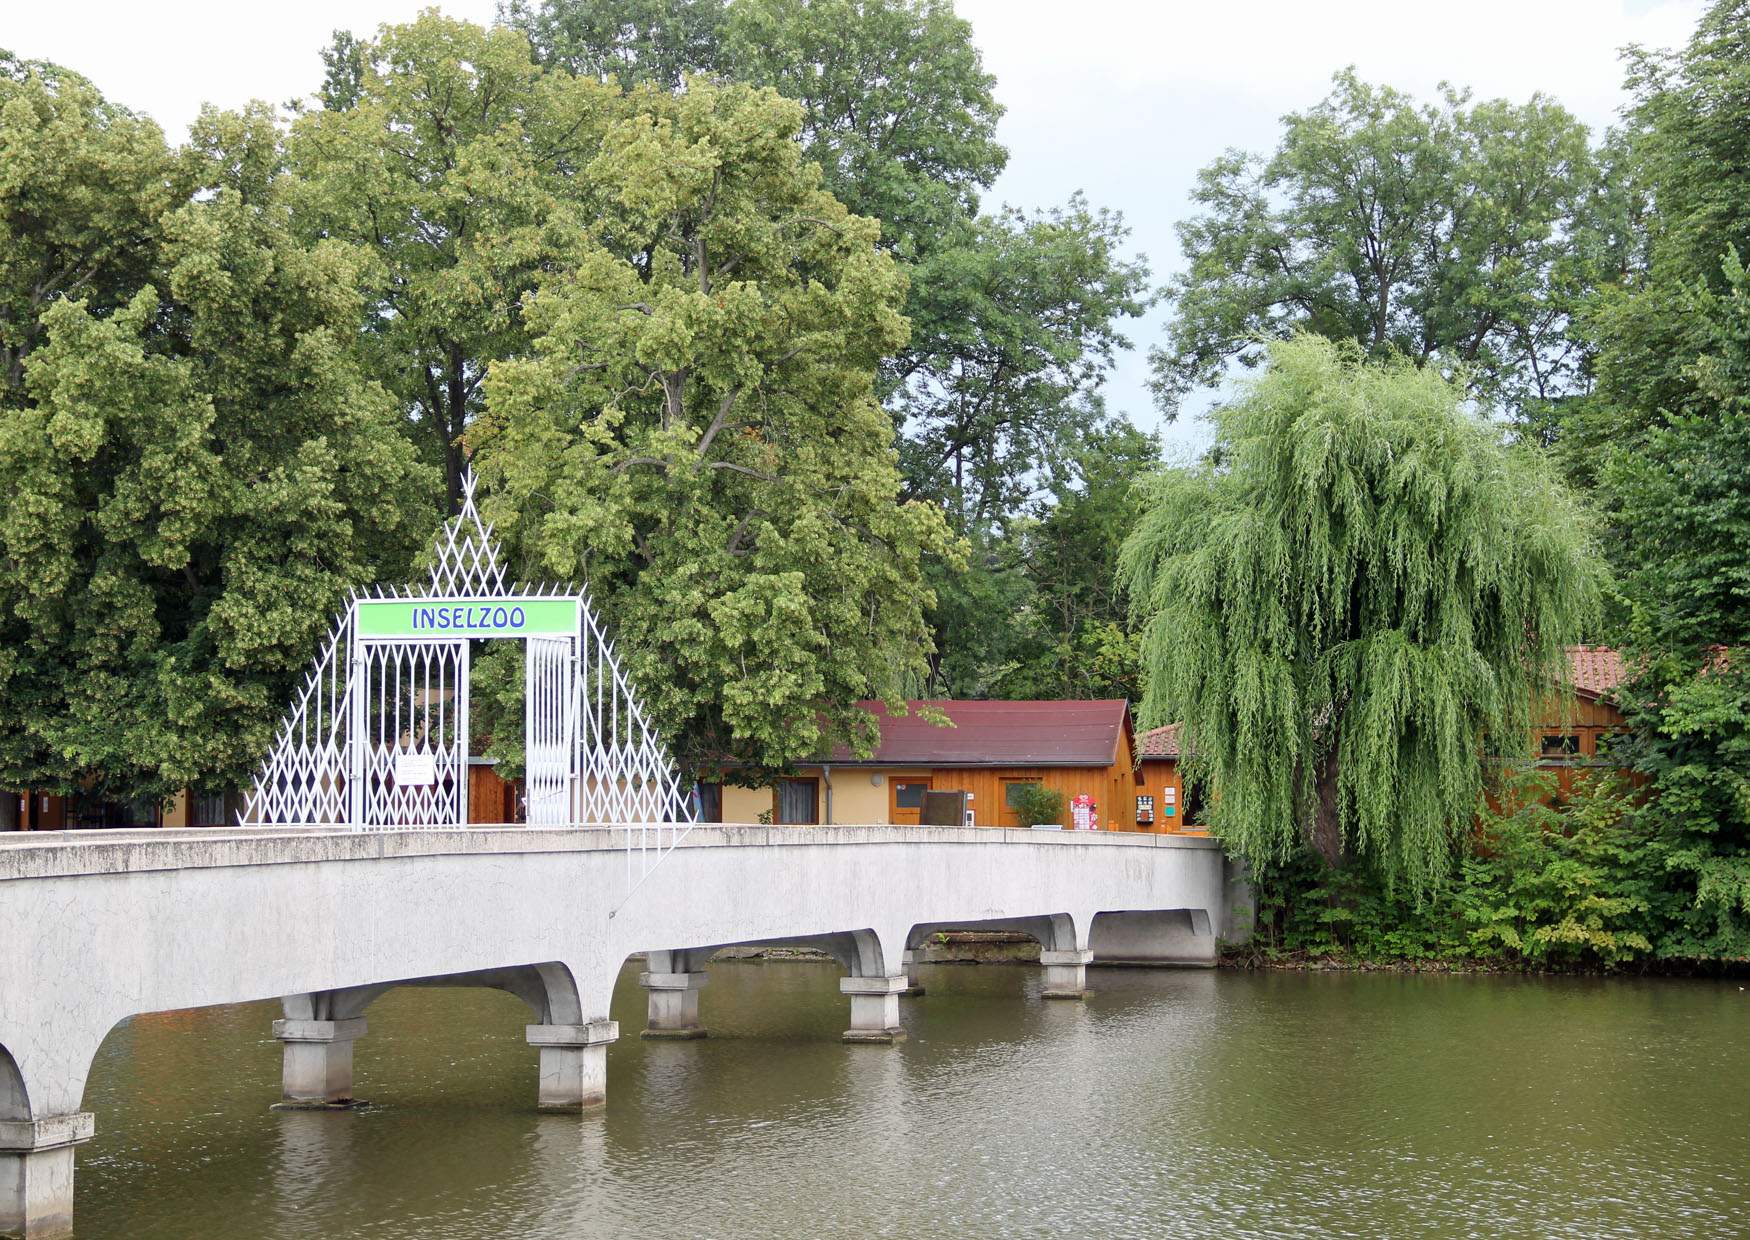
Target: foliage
[192, 467]
[1537, 885]
[1367, 587]
[1461, 235]
[1015, 328]
[1037, 613]
[1013, 314]
[1687, 163]
[1684, 525]
[454, 170]
[1035, 803]
[637, 42]
[695, 431]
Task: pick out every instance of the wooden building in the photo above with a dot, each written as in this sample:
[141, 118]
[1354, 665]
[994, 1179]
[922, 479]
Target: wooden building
[988, 750]
[1177, 811]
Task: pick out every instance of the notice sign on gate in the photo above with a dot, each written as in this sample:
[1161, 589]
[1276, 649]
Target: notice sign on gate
[415, 770]
[475, 617]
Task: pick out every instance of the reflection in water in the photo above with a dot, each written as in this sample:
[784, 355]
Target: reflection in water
[1189, 1103]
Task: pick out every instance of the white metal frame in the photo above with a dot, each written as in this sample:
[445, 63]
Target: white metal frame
[592, 757]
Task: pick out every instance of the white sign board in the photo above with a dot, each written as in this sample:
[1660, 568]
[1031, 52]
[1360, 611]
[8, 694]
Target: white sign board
[415, 770]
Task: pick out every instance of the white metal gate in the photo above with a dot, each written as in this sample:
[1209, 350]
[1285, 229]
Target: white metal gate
[378, 735]
[410, 729]
[550, 730]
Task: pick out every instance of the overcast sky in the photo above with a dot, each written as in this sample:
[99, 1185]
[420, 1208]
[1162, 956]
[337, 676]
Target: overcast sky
[1123, 99]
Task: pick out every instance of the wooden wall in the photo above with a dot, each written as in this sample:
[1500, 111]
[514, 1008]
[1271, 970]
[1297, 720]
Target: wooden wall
[1113, 788]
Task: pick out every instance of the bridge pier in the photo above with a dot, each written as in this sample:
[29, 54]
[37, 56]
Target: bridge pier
[1066, 974]
[874, 1008]
[36, 1174]
[574, 1063]
[674, 1004]
[316, 1072]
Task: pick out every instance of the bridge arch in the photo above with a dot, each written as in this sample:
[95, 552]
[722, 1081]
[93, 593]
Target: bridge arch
[14, 1097]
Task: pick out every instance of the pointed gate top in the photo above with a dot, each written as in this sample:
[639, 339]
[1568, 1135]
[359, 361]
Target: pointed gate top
[467, 557]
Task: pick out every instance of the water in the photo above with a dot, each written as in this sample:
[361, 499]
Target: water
[1170, 1103]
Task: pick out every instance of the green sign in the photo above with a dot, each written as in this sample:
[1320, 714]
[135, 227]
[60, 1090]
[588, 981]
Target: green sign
[467, 617]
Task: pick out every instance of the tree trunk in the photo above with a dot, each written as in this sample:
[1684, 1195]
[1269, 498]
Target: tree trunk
[1326, 834]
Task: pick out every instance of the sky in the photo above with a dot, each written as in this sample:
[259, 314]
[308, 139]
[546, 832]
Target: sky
[1122, 99]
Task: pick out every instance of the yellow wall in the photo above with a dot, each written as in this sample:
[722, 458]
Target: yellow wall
[745, 804]
[854, 798]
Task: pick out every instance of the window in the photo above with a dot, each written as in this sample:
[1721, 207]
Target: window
[1014, 792]
[710, 802]
[909, 796]
[798, 801]
[1557, 747]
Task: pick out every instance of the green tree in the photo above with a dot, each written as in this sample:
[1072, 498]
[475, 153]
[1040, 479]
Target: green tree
[1686, 161]
[1014, 315]
[1078, 643]
[454, 170]
[1683, 508]
[637, 42]
[1459, 235]
[695, 431]
[1367, 587]
[192, 467]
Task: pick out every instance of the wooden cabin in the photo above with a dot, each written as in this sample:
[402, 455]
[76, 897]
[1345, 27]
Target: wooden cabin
[1572, 730]
[1176, 810]
[988, 750]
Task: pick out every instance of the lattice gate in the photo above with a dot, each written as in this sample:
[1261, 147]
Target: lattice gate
[378, 737]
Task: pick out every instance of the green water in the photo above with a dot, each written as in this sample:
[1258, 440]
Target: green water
[1170, 1103]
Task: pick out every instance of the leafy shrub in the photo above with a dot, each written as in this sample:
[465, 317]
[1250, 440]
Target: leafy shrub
[1539, 884]
[1035, 803]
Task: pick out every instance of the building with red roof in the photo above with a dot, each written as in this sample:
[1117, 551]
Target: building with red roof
[986, 751]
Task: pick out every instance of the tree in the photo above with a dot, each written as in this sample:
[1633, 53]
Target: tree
[637, 42]
[1461, 236]
[1019, 324]
[1684, 526]
[1035, 612]
[1368, 588]
[192, 467]
[695, 432]
[1014, 314]
[454, 171]
[1684, 163]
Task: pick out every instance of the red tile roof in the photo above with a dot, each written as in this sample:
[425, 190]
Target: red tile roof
[1595, 670]
[1162, 742]
[1002, 734]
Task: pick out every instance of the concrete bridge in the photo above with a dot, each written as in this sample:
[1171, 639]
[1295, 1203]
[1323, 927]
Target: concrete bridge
[98, 927]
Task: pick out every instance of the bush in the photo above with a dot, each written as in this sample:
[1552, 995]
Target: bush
[1035, 803]
[1540, 884]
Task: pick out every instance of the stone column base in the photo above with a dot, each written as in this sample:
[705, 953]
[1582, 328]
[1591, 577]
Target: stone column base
[574, 1064]
[317, 1069]
[674, 1004]
[874, 1008]
[1066, 974]
[36, 1174]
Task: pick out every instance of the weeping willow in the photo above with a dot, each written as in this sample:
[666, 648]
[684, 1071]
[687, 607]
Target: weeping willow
[1360, 588]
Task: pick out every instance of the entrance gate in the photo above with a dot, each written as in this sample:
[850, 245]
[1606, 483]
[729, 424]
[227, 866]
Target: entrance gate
[378, 737]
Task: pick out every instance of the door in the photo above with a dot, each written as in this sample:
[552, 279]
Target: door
[905, 807]
[409, 734]
[549, 730]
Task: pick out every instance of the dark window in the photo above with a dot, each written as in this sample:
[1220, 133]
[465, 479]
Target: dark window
[710, 802]
[1012, 792]
[909, 796]
[1561, 746]
[798, 801]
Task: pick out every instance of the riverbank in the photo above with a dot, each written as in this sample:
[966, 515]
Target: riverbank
[967, 947]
